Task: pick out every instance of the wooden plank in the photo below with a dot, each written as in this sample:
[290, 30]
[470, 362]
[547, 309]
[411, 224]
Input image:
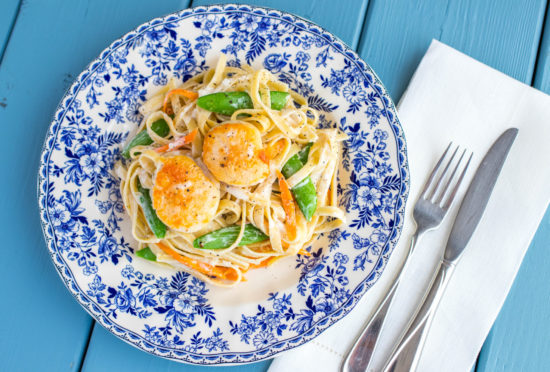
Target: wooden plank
[502, 34]
[342, 18]
[107, 353]
[542, 75]
[519, 338]
[8, 13]
[42, 326]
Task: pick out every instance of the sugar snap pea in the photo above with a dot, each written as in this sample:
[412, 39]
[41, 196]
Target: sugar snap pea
[306, 197]
[226, 103]
[147, 254]
[226, 236]
[160, 127]
[157, 226]
[304, 192]
[296, 162]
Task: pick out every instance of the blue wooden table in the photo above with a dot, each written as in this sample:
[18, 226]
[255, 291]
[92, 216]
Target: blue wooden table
[45, 44]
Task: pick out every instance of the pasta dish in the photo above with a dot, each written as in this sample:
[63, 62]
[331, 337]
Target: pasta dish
[228, 172]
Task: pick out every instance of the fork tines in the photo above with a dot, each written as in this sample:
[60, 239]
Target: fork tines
[438, 193]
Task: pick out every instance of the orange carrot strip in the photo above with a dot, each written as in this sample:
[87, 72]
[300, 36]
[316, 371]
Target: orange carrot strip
[184, 140]
[182, 92]
[226, 273]
[262, 154]
[271, 151]
[265, 263]
[288, 206]
[303, 252]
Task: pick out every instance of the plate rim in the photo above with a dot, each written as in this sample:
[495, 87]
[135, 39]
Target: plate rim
[223, 358]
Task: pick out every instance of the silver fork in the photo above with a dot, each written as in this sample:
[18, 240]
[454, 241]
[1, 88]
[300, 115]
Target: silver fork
[429, 211]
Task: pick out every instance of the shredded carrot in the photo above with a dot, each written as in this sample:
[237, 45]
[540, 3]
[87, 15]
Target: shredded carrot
[182, 92]
[288, 206]
[262, 154]
[303, 252]
[184, 140]
[265, 263]
[221, 272]
[271, 151]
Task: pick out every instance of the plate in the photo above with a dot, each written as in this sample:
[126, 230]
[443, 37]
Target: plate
[172, 314]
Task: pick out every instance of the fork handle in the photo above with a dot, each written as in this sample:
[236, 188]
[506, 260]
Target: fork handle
[406, 355]
[362, 350]
[360, 355]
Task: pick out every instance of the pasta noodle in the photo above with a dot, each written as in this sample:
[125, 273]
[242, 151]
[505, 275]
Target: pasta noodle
[221, 192]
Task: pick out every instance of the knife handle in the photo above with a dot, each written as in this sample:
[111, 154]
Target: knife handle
[406, 355]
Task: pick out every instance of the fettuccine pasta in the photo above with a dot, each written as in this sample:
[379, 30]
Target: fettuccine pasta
[228, 172]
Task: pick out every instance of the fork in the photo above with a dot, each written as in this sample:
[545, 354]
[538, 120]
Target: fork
[428, 213]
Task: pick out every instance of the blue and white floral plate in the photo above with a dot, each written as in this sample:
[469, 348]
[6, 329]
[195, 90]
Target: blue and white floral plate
[171, 314]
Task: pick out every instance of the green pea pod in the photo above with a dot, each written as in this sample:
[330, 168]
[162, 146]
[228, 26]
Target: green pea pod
[304, 192]
[147, 254]
[226, 236]
[306, 197]
[160, 127]
[226, 103]
[157, 226]
[303, 154]
[296, 162]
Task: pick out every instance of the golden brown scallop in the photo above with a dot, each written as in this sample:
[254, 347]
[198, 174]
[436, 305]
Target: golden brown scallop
[231, 153]
[183, 197]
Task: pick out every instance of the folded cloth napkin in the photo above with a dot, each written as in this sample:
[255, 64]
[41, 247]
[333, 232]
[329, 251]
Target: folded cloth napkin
[453, 97]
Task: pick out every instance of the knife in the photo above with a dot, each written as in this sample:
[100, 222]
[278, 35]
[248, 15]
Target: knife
[406, 355]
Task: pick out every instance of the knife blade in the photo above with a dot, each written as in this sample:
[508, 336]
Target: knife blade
[477, 195]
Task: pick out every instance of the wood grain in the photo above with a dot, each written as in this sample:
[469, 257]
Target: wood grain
[502, 34]
[42, 326]
[342, 18]
[8, 14]
[542, 75]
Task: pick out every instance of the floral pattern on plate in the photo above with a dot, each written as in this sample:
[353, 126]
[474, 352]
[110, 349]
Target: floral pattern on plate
[173, 314]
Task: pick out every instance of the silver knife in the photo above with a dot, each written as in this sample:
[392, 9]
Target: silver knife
[406, 355]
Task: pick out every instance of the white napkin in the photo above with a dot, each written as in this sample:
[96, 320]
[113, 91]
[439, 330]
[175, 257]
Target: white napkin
[453, 97]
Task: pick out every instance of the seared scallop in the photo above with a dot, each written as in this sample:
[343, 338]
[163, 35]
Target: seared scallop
[231, 153]
[183, 197]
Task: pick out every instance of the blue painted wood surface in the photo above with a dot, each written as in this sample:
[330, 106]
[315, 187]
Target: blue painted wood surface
[8, 14]
[503, 34]
[542, 75]
[52, 42]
